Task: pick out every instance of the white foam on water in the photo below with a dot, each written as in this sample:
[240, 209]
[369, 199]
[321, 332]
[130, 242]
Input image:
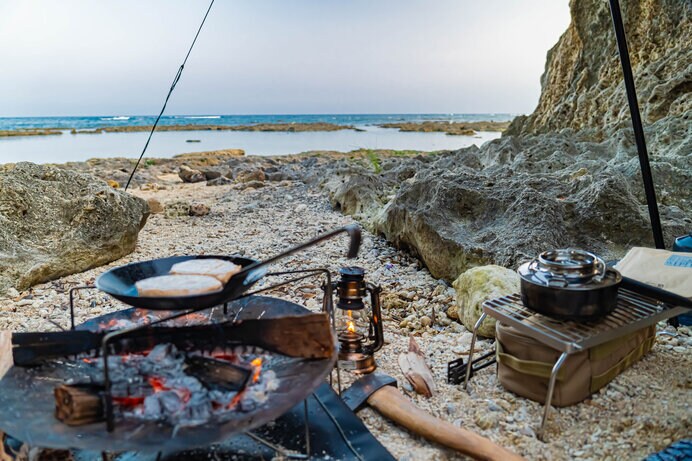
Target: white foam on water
[120, 117]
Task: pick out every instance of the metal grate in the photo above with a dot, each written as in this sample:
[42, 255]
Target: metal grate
[633, 312]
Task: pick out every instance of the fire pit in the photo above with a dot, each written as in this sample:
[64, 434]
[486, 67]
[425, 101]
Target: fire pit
[187, 372]
[26, 393]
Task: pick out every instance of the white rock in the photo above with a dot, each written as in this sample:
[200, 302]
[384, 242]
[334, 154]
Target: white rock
[478, 285]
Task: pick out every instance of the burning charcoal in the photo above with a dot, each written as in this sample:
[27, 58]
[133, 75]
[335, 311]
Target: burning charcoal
[162, 351]
[163, 360]
[222, 398]
[185, 382]
[218, 374]
[170, 401]
[197, 411]
[152, 407]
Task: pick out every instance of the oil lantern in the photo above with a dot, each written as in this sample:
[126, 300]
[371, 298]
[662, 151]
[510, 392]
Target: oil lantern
[359, 323]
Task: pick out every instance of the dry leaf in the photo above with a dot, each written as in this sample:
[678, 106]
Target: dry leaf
[412, 364]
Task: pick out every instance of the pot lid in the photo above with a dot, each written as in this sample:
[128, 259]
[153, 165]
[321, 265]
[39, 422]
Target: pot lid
[571, 264]
[565, 268]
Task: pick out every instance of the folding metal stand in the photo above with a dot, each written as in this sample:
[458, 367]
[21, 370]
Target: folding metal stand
[633, 312]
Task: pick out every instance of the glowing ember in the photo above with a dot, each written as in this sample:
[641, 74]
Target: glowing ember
[157, 384]
[257, 365]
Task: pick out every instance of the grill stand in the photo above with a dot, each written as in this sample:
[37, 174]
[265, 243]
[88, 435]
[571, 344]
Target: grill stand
[279, 449]
[327, 306]
[633, 312]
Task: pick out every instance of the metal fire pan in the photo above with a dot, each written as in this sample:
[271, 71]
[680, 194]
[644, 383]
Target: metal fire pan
[27, 403]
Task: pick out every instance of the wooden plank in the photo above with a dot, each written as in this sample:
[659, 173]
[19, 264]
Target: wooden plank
[6, 360]
[305, 336]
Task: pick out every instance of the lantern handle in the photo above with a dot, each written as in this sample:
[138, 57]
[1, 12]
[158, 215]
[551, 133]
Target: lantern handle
[376, 319]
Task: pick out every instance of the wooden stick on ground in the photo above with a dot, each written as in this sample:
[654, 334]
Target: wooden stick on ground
[395, 406]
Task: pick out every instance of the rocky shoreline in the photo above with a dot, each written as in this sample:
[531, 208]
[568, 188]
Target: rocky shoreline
[260, 211]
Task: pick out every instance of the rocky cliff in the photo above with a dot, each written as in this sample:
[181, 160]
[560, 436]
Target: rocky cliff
[582, 86]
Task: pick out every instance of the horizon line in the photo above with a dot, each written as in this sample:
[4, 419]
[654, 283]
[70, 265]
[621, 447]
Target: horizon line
[205, 114]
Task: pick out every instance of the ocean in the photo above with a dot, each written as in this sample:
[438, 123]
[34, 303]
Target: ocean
[69, 147]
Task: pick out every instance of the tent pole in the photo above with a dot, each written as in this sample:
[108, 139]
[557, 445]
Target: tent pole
[637, 124]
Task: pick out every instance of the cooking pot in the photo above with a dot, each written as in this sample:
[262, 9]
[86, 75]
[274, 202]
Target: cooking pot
[569, 284]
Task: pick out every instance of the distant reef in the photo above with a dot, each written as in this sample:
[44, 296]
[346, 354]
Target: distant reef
[283, 127]
[29, 132]
[451, 128]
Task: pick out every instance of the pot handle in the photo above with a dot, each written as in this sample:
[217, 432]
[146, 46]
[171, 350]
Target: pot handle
[602, 269]
[545, 279]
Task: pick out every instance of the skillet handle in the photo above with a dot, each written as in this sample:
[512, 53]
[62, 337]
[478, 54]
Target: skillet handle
[353, 230]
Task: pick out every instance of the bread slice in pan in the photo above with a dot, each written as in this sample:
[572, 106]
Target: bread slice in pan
[177, 285]
[218, 268]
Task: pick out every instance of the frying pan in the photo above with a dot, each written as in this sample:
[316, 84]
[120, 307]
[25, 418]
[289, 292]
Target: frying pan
[119, 282]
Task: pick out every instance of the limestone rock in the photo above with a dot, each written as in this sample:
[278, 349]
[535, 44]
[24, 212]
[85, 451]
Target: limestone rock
[478, 285]
[582, 85]
[198, 209]
[187, 174]
[220, 181]
[530, 195]
[55, 222]
[177, 209]
[251, 175]
[211, 174]
[155, 206]
[250, 185]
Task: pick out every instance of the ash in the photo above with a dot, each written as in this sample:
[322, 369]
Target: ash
[155, 387]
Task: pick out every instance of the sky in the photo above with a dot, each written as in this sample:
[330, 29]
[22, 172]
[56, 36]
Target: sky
[85, 57]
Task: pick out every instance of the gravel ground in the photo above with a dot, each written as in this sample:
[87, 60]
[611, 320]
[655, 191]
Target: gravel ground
[642, 411]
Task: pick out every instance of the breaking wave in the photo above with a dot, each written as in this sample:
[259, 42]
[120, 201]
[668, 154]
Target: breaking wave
[120, 117]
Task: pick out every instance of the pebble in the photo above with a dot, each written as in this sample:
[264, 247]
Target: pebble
[425, 321]
[199, 209]
[486, 420]
[492, 406]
